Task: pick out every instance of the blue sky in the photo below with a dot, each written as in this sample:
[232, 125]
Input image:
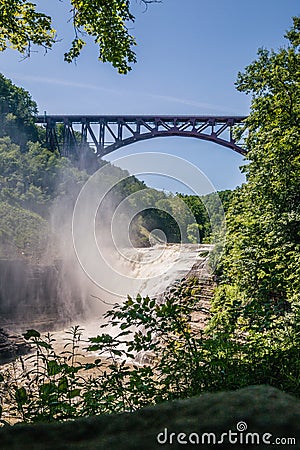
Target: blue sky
[189, 53]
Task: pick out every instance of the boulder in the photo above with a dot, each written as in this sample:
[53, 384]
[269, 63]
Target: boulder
[256, 414]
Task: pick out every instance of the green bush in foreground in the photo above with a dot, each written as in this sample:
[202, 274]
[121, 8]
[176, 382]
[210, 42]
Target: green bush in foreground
[178, 362]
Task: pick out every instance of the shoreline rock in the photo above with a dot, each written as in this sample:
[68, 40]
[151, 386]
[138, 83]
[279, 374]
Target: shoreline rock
[11, 346]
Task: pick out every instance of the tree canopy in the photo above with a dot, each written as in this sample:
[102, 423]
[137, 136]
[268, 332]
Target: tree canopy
[17, 111]
[22, 25]
[259, 296]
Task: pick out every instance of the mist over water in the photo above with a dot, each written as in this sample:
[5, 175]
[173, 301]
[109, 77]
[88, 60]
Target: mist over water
[90, 260]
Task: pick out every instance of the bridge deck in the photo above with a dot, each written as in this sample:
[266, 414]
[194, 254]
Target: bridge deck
[61, 118]
[107, 133]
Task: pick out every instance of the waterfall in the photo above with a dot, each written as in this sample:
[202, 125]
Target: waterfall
[160, 266]
[154, 268]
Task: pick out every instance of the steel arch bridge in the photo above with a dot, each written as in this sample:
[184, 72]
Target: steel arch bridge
[70, 133]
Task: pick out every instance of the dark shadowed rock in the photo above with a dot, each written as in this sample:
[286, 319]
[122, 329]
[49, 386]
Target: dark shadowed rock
[263, 409]
[11, 347]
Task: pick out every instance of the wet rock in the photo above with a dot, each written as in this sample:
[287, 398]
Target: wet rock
[11, 347]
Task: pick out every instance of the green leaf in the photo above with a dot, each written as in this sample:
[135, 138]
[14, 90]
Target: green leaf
[63, 384]
[31, 334]
[47, 389]
[21, 396]
[53, 368]
[74, 393]
[44, 344]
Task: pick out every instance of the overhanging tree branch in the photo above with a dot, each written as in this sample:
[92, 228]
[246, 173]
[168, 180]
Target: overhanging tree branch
[22, 26]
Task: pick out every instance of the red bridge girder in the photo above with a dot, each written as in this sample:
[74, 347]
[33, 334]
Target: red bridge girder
[108, 133]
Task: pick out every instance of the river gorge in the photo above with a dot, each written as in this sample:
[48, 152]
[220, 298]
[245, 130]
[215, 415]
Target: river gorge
[51, 298]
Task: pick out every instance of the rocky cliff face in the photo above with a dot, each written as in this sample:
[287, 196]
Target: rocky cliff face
[36, 294]
[27, 291]
[33, 296]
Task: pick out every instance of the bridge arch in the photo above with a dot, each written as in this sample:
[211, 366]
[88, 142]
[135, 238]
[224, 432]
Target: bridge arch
[109, 133]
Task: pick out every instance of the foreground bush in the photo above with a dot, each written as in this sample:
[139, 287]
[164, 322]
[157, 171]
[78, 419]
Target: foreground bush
[176, 362]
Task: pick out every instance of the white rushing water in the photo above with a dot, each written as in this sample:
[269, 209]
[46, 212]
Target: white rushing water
[160, 266]
[149, 271]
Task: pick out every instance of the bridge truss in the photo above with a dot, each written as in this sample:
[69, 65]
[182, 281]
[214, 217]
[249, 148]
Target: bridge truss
[70, 133]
